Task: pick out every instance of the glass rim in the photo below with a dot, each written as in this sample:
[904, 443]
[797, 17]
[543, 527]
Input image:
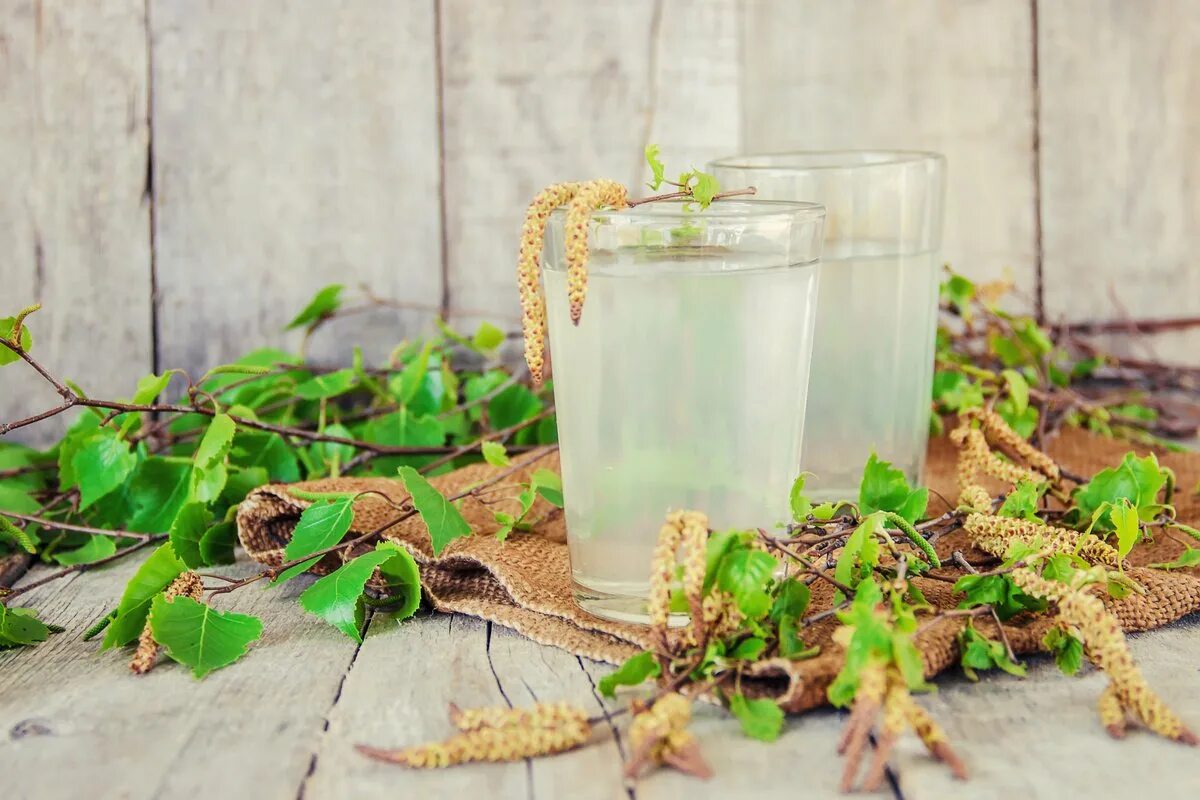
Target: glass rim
[741, 208]
[834, 160]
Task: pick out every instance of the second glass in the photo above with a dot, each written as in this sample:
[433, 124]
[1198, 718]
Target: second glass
[872, 366]
[683, 384]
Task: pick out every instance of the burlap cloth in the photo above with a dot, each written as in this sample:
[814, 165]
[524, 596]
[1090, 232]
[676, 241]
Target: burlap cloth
[525, 582]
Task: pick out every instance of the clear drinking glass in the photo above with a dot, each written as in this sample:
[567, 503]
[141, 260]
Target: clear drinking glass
[872, 367]
[683, 385]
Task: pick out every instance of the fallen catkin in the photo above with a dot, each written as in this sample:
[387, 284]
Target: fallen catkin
[659, 735]
[544, 729]
[1105, 645]
[591, 196]
[995, 534]
[146, 656]
[529, 281]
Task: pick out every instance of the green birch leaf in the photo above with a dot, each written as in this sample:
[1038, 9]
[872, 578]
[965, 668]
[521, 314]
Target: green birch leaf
[187, 531]
[800, 504]
[20, 627]
[515, 404]
[101, 464]
[1125, 521]
[487, 337]
[884, 488]
[6, 331]
[1067, 650]
[1190, 557]
[210, 474]
[155, 574]
[218, 542]
[1018, 390]
[158, 489]
[548, 485]
[268, 451]
[441, 518]
[1022, 501]
[322, 525]
[761, 719]
[1137, 480]
[94, 549]
[17, 500]
[324, 303]
[744, 574]
[403, 591]
[200, 637]
[413, 375]
[337, 597]
[331, 384]
[636, 670]
[657, 168]
[495, 454]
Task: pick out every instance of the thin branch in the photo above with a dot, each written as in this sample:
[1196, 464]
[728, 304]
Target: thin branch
[8, 595]
[66, 526]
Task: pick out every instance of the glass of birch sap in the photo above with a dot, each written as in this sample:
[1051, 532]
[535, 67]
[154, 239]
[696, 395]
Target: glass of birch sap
[683, 385]
[872, 367]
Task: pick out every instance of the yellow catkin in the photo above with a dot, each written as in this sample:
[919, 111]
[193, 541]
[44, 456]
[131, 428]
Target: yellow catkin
[1112, 715]
[544, 729]
[999, 432]
[473, 719]
[994, 534]
[591, 196]
[1105, 645]
[651, 731]
[529, 279]
[687, 530]
[146, 656]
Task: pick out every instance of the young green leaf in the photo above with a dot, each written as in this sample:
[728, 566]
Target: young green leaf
[1190, 557]
[980, 652]
[790, 644]
[94, 549]
[20, 627]
[154, 575]
[321, 525]
[1137, 480]
[198, 636]
[657, 168]
[330, 384]
[158, 489]
[1022, 501]
[749, 649]
[515, 404]
[636, 670]
[1067, 650]
[705, 189]
[1125, 521]
[801, 506]
[101, 463]
[210, 474]
[402, 593]
[6, 331]
[187, 531]
[999, 592]
[217, 543]
[441, 518]
[791, 600]
[761, 719]
[495, 454]
[1018, 389]
[487, 337]
[884, 488]
[548, 485]
[323, 304]
[744, 574]
[337, 597]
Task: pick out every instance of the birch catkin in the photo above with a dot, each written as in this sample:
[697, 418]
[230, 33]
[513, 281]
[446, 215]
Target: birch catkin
[529, 281]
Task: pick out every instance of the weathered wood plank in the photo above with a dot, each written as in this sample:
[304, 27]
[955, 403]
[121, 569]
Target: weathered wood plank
[1039, 737]
[74, 219]
[396, 695]
[926, 74]
[1120, 163]
[801, 761]
[295, 146]
[75, 721]
[576, 91]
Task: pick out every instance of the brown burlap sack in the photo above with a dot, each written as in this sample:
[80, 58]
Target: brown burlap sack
[525, 582]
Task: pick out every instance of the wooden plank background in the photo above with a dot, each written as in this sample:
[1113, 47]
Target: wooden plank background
[180, 176]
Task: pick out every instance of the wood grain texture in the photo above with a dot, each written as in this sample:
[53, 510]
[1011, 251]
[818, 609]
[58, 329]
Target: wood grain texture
[1040, 737]
[74, 218]
[955, 77]
[552, 90]
[1120, 98]
[295, 145]
[247, 730]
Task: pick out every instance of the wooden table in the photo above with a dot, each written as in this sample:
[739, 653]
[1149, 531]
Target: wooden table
[282, 723]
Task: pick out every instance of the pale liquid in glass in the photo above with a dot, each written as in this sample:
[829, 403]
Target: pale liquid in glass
[682, 387]
[872, 369]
